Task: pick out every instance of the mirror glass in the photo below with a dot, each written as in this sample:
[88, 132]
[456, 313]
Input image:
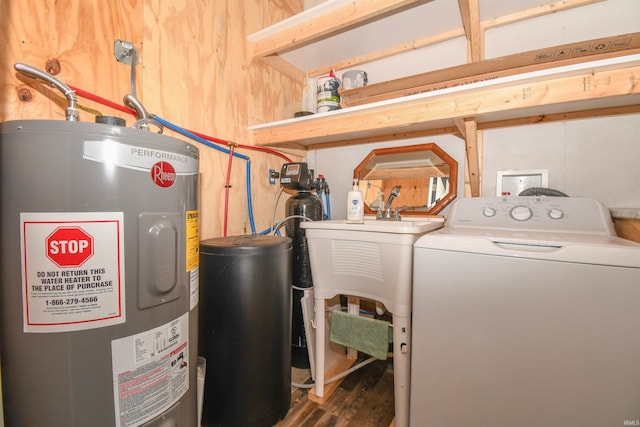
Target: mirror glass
[416, 179]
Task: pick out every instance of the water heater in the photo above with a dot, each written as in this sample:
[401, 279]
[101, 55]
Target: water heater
[99, 289]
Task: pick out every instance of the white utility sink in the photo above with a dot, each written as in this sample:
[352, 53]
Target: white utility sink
[372, 260]
[408, 226]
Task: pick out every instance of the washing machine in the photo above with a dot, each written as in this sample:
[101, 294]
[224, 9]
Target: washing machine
[526, 312]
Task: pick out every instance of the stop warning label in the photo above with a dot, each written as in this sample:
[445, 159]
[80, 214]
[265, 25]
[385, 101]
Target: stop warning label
[69, 246]
[72, 270]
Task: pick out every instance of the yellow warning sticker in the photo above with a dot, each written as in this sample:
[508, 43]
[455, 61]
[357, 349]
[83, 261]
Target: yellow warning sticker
[193, 239]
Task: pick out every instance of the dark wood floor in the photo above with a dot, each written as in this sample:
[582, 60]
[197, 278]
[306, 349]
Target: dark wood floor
[364, 398]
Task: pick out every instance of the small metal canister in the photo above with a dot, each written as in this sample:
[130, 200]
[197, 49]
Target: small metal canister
[354, 78]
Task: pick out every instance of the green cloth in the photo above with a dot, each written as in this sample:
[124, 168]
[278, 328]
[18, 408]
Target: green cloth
[370, 336]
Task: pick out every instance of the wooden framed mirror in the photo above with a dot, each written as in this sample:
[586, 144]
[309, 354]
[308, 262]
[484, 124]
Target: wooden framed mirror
[426, 175]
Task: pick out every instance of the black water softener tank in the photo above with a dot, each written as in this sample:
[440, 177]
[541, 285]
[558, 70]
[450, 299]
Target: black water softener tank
[245, 329]
[308, 205]
[303, 206]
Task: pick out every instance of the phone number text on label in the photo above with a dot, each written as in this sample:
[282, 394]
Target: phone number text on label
[71, 301]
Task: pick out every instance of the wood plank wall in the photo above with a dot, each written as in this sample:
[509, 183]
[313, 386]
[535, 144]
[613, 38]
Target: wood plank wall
[194, 71]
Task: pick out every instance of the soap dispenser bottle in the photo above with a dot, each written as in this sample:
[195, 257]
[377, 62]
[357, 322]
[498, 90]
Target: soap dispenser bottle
[355, 205]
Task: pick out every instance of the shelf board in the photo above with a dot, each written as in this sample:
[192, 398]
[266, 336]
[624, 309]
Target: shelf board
[528, 97]
[322, 21]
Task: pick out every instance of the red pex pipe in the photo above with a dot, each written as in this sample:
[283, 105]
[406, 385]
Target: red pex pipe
[103, 101]
[226, 192]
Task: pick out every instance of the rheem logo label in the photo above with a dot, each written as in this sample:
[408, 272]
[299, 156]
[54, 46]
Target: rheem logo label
[69, 246]
[163, 174]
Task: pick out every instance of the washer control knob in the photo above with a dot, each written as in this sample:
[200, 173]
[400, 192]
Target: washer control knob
[521, 213]
[556, 214]
[488, 212]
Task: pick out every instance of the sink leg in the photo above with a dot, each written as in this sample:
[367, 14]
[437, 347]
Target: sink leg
[401, 368]
[320, 331]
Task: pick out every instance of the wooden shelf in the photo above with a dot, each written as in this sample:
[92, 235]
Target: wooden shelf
[319, 25]
[333, 35]
[310, 25]
[603, 87]
[342, 34]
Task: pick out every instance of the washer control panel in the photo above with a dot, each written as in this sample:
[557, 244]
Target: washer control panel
[534, 213]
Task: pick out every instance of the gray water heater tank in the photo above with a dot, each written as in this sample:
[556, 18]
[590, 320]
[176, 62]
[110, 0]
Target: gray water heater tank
[99, 288]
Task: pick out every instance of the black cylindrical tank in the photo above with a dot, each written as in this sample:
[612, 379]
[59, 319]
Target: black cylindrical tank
[307, 205]
[245, 324]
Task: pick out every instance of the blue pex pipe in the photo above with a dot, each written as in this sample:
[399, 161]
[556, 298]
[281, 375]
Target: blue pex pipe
[195, 137]
[328, 205]
[249, 204]
[203, 141]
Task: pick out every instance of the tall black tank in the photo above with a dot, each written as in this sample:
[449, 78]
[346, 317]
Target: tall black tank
[245, 324]
[303, 205]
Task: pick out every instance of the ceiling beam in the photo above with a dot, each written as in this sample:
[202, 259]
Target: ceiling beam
[470, 14]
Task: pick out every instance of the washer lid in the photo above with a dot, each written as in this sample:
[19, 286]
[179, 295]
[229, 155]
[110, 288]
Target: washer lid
[567, 247]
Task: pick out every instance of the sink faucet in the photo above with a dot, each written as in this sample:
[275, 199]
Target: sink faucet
[386, 214]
